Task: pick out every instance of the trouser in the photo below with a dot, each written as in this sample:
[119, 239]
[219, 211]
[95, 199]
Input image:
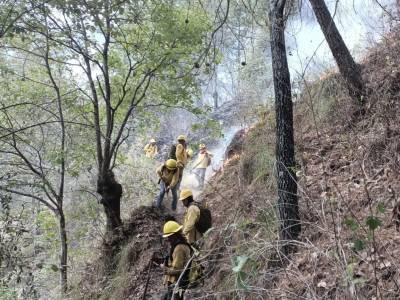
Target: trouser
[170, 296]
[200, 175]
[180, 177]
[163, 189]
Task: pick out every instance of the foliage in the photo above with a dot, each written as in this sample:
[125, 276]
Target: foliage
[15, 238]
[78, 78]
[238, 270]
[258, 161]
[362, 234]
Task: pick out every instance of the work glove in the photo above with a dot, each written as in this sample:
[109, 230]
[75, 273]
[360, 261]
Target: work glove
[165, 269]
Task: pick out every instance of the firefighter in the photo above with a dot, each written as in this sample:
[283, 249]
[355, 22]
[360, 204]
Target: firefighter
[151, 149]
[169, 178]
[179, 256]
[192, 216]
[200, 167]
[182, 154]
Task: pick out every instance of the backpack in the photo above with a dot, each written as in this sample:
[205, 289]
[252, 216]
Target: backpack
[185, 280]
[194, 272]
[172, 152]
[205, 221]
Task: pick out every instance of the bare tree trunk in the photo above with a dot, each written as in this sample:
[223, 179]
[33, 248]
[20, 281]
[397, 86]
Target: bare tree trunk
[287, 185]
[347, 66]
[63, 254]
[60, 196]
[215, 96]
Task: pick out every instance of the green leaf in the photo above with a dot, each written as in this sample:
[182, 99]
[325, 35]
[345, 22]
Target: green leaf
[240, 281]
[54, 268]
[240, 262]
[373, 222]
[351, 223]
[358, 245]
[381, 207]
[350, 269]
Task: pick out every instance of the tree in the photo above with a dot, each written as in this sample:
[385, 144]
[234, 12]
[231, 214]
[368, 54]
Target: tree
[285, 161]
[11, 14]
[130, 57]
[347, 66]
[34, 161]
[89, 70]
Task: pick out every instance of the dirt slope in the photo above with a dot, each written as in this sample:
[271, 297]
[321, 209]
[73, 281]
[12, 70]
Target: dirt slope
[349, 183]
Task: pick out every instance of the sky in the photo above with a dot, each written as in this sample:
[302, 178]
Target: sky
[360, 22]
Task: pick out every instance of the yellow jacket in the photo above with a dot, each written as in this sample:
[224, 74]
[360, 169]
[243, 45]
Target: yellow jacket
[170, 178]
[151, 150]
[189, 224]
[202, 160]
[181, 155]
[180, 257]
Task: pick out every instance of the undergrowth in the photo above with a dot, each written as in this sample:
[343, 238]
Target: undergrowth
[348, 183]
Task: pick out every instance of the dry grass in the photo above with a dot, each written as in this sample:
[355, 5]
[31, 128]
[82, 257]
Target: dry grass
[348, 174]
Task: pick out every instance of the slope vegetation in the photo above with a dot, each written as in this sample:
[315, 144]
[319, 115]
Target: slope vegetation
[348, 172]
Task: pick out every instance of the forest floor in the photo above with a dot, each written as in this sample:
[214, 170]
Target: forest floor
[349, 182]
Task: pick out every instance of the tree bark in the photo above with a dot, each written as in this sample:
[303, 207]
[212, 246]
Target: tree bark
[286, 178]
[63, 254]
[111, 192]
[348, 68]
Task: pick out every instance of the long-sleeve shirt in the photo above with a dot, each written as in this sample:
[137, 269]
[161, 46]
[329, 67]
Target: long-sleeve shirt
[151, 150]
[180, 257]
[203, 159]
[181, 155]
[189, 230]
[170, 177]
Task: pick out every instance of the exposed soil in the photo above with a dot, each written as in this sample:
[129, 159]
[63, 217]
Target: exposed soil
[349, 186]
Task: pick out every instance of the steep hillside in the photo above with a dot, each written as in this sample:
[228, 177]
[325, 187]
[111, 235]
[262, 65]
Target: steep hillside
[348, 187]
[349, 182]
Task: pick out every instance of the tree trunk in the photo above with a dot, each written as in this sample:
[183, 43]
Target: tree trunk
[111, 192]
[215, 97]
[347, 66]
[287, 186]
[63, 254]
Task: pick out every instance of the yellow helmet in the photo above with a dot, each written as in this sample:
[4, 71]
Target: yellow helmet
[170, 164]
[202, 146]
[181, 138]
[170, 228]
[185, 193]
[152, 141]
[189, 152]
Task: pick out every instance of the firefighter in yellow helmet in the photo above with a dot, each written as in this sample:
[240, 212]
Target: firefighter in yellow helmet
[169, 178]
[192, 216]
[151, 149]
[182, 154]
[200, 167]
[179, 255]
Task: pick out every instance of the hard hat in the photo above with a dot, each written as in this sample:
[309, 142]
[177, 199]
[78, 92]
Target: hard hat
[152, 141]
[181, 138]
[202, 146]
[170, 164]
[170, 228]
[185, 193]
[189, 152]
